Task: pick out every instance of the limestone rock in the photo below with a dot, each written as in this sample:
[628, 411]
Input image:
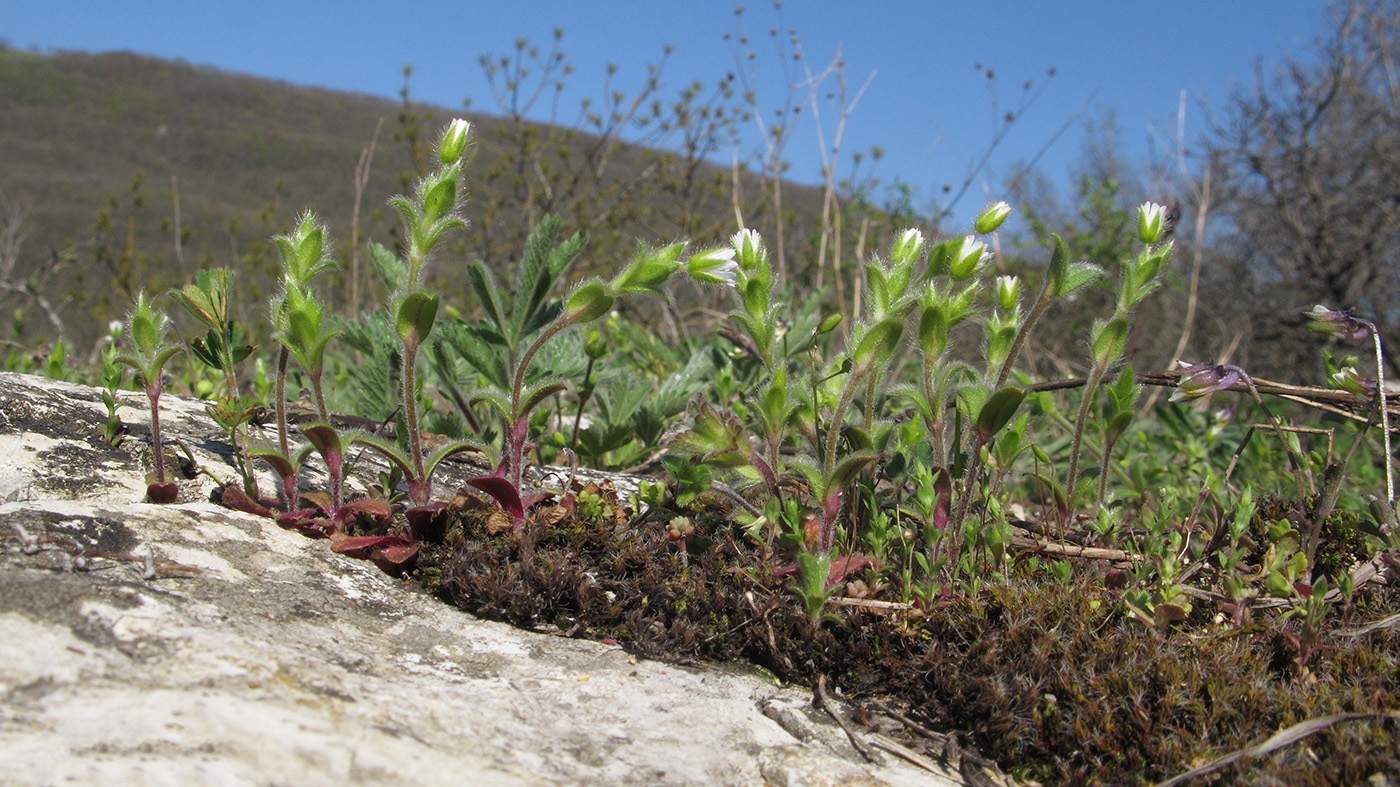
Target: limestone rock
[190, 644]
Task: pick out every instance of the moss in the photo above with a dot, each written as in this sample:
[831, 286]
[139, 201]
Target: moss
[1053, 682]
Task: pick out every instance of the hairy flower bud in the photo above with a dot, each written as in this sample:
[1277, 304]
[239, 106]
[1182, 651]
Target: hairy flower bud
[1340, 324]
[991, 218]
[454, 141]
[714, 266]
[1008, 292]
[1151, 222]
[968, 259]
[748, 248]
[907, 248]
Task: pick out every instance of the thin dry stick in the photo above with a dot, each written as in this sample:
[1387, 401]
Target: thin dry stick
[1280, 739]
[831, 216]
[1202, 195]
[860, 746]
[179, 252]
[1189, 322]
[361, 179]
[736, 190]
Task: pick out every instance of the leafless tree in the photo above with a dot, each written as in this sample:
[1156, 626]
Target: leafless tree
[26, 289]
[1310, 165]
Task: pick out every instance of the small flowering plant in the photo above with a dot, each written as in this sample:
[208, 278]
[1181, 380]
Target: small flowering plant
[427, 217]
[150, 351]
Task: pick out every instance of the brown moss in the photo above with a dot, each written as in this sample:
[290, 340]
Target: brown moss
[1053, 682]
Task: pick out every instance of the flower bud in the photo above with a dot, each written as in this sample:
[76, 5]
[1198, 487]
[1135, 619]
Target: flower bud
[454, 141]
[1008, 292]
[991, 218]
[907, 248]
[1340, 324]
[1151, 222]
[595, 346]
[968, 259]
[1349, 379]
[1202, 379]
[748, 248]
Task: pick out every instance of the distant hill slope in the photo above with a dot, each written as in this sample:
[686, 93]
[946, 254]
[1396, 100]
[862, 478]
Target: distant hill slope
[246, 155]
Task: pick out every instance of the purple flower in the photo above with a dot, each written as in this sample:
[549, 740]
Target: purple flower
[1203, 379]
[1340, 324]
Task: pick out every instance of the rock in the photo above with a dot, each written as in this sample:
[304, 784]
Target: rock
[191, 644]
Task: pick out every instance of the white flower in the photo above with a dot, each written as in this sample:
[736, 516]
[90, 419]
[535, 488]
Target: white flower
[968, 259]
[1151, 220]
[716, 266]
[991, 218]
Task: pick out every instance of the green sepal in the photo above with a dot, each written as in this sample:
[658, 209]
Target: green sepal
[588, 302]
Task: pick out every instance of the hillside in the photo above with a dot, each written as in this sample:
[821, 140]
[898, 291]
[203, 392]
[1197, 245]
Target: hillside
[98, 147]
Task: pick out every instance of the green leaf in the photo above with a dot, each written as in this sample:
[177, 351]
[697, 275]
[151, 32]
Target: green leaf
[997, 411]
[538, 394]
[281, 465]
[1109, 340]
[1080, 275]
[1059, 266]
[847, 468]
[878, 344]
[483, 283]
[412, 222]
[391, 270]
[414, 320]
[451, 449]
[440, 198]
[390, 451]
[207, 298]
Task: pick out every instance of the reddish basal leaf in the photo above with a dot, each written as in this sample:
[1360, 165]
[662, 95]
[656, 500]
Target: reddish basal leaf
[235, 498]
[428, 523]
[164, 494]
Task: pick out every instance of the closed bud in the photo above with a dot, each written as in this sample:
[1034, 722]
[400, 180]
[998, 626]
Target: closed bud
[748, 249]
[1340, 324]
[829, 323]
[1151, 222]
[968, 259]
[454, 141]
[991, 218]
[588, 303]
[1008, 292]
[1203, 379]
[907, 248]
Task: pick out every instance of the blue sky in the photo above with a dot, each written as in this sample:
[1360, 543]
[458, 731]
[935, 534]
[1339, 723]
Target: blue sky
[927, 106]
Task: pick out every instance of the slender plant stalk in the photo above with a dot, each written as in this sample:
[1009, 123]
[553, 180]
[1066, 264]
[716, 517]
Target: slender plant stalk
[1385, 417]
[281, 404]
[410, 409]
